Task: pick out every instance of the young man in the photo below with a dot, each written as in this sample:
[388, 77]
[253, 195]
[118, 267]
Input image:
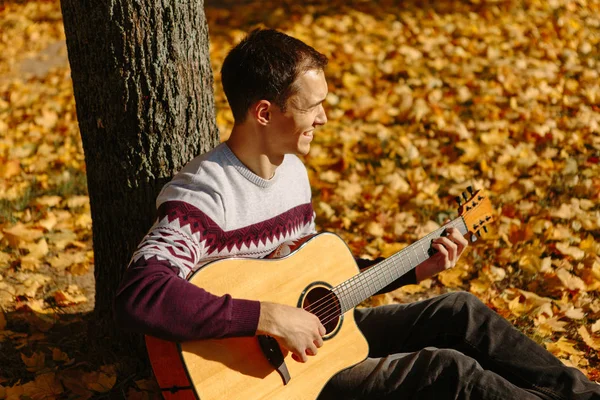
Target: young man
[250, 197]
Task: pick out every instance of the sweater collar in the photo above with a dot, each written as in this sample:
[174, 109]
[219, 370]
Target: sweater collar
[247, 173]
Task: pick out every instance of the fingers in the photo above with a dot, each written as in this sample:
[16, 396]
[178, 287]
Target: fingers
[311, 350]
[300, 357]
[318, 342]
[450, 247]
[322, 330]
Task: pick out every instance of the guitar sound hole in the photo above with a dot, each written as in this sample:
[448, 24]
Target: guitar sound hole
[324, 304]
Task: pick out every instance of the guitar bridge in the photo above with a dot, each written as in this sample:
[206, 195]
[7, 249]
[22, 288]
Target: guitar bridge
[274, 356]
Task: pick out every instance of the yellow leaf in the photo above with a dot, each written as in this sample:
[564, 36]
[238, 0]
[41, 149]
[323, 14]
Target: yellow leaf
[350, 192]
[452, 277]
[65, 260]
[570, 281]
[61, 239]
[563, 347]
[596, 326]
[49, 222]
[39, 249]
[591, 341]
[564, 212]
[19, 233]
[9, 169]
[572, 251]
[73, 295]
[479, 286]
[413, 289]
[48, 201]
[78, 201]
[47, 119]
[375, 229]
[35, 362]
[575, 313]
[547, 326]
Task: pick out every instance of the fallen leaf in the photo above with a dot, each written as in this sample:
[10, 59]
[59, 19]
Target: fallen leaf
[44, 387]
[100, 381]
[35, 362]
[19, 234]
[570, 281]
[72, 296]
[563, 347]
[591, 341]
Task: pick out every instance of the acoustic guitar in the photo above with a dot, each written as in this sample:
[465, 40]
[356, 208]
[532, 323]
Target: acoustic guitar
[321, 277]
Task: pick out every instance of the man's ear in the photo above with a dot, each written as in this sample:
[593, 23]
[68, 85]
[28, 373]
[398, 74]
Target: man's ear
[262, 112]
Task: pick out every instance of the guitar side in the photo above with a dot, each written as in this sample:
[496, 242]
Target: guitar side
[236, 368]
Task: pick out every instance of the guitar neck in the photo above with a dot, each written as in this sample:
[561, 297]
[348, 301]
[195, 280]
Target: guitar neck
[365, 284]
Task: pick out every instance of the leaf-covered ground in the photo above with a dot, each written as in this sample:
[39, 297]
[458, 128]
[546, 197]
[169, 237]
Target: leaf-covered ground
[425, 99]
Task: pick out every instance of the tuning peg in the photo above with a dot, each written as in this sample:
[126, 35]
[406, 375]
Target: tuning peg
[488, 218]
[470, 189]
[464, 194]
[485, 229]
[458, 200]
[473, 238]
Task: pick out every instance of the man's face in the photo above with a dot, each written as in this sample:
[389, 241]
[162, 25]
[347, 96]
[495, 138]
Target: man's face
[293, 129]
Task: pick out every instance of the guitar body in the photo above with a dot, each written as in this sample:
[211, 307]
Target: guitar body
[236, 368]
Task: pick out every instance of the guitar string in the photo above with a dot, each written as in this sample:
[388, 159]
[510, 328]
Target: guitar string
[369, 275]
[328, 318]
[331, 302]
[332, 311]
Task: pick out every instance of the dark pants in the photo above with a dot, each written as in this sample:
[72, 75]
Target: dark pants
[452, 347]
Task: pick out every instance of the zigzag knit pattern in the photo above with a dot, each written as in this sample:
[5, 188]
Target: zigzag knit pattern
[184, 236]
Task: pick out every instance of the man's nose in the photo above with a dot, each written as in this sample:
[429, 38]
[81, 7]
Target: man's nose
[321, 117]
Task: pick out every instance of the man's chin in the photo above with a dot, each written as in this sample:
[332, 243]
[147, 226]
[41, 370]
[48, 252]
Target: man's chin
[303, 151]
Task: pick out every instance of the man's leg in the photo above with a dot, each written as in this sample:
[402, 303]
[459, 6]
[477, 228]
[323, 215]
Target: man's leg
[459, 321]
[429, 374]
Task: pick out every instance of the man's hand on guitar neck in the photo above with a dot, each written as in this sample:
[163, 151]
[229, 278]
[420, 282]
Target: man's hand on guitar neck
[295, 329]
[449, 249]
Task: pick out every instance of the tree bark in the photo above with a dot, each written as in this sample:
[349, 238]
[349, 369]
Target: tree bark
[143, 89]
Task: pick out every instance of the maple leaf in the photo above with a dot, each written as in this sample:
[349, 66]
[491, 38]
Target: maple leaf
[100, 381]
[44, 387]
[35, 362]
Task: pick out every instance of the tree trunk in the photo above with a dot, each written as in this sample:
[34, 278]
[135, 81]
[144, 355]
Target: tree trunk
[143, 88]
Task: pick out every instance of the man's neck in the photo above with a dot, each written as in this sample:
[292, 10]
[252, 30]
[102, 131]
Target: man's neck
[248, 147]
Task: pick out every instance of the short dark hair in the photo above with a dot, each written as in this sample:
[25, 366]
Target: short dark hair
[265, 65]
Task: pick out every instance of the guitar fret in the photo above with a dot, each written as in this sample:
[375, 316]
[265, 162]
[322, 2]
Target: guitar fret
[424, 252]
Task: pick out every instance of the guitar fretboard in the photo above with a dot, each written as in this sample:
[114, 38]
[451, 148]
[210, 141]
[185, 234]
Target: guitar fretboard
[362, 286]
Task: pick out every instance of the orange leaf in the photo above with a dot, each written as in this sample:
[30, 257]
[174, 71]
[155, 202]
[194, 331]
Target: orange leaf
[35, 362]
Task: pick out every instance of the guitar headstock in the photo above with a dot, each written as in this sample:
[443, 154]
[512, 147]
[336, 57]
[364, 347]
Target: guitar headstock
[476, 211]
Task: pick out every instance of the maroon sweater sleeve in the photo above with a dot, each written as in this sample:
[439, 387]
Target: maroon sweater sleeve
[152, 299]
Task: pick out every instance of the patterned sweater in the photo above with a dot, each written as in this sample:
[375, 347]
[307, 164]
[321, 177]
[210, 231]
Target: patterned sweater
[213, 208]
